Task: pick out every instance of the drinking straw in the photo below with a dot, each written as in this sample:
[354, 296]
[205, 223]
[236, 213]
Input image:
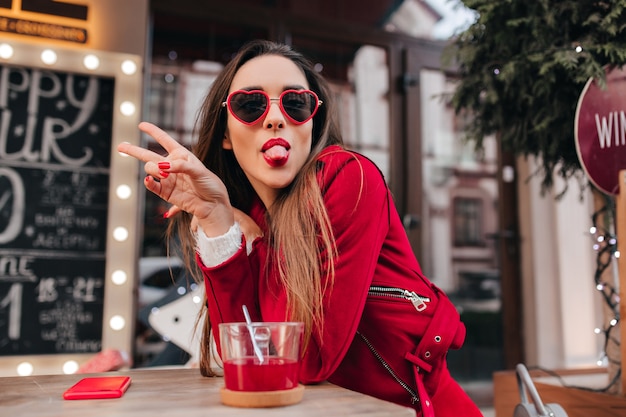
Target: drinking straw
[256, 348]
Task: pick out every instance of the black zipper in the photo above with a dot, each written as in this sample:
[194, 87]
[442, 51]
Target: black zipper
[419, 301]
[414, 396]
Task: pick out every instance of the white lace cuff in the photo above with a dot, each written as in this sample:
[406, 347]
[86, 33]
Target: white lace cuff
[216, 250]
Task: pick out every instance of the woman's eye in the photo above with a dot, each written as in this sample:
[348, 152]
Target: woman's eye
[295, 103]
[254, 104]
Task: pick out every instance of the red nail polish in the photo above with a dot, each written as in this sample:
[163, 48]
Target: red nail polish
[164, 174]
[164, 165]
[166, 215]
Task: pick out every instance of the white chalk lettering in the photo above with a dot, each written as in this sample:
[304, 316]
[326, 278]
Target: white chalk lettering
[46, 290]
[16, 211]
[54, 220]
[611, 129]
[78, 346]
[67, 242]
[84, 289]
[13, 301]
[54, 130]
[14, 268]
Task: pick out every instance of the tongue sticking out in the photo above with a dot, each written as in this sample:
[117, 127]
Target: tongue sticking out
[276, 156]
[276, 153]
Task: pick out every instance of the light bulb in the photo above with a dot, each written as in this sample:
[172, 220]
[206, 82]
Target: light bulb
[127, 108]
[119, 277]
[123, 192]
[129, 67]
[25, 369]
[91, 62]
[48, 57]
[117, 322]
[6, 51]
[120, 234]
[70, 367]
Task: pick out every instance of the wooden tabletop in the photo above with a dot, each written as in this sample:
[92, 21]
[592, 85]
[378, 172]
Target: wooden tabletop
[178, 392]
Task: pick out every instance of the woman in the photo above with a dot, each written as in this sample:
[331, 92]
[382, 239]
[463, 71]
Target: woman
[281, 218]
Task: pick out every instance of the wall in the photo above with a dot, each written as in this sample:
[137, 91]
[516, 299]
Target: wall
[561, 305]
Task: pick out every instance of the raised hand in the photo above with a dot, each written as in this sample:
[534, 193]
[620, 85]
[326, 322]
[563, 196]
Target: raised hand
[182, 180]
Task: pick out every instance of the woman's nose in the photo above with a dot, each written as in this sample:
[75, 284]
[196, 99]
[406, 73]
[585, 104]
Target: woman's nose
[274, 118]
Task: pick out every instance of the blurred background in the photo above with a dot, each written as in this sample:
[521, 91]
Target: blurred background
[84, 267]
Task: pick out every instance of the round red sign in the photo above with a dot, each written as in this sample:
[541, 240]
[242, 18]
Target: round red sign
[600, 129]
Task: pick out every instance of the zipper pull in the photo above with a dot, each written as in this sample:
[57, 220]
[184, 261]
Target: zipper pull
[418, 302]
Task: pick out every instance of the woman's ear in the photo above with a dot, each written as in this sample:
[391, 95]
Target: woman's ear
[226, 143]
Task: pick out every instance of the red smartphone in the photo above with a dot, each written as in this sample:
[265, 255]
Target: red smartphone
[98, 387]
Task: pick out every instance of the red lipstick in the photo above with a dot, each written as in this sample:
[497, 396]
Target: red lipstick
[276, 152]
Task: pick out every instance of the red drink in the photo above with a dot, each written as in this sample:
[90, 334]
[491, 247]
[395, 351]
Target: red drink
[247, 374]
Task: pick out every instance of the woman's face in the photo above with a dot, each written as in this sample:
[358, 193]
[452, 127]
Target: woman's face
[273, 150]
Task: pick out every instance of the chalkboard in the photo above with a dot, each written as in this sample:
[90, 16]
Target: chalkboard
[55, 156]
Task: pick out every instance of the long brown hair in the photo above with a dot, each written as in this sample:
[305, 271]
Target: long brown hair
[299, 232]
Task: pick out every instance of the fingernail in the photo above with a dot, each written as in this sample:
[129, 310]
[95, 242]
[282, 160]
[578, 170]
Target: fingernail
[164, 174]
[166, 215]
[148, 177]
[164, 165]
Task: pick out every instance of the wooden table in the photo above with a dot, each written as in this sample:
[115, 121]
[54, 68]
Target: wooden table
[174, 392]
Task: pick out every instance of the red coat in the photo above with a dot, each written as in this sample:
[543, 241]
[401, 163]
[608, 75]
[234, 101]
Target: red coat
[390, 348]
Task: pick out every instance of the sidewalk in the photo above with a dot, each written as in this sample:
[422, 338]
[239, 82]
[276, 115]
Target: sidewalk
[488, 412]
[482, 394]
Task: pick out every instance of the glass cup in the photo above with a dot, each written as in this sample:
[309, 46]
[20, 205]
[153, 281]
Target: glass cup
[261, 356]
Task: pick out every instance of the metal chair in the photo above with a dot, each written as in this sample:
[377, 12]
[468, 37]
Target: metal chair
[536, 408]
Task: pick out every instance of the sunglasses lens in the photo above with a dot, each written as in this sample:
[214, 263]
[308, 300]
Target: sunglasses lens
[248, 107]
[299, 105]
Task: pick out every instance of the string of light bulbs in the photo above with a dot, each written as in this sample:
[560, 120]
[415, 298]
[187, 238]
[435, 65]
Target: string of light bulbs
[605, 245]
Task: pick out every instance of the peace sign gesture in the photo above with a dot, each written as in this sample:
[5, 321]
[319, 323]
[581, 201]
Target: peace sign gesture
[182, 180]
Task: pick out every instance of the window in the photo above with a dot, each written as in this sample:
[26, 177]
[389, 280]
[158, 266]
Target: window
[162, 98]
[468, 222]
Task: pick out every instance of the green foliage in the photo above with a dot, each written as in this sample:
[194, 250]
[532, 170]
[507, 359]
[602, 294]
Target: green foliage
[521, 75]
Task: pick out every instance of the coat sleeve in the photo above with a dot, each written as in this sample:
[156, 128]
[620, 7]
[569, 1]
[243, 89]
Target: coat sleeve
[357, 201]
